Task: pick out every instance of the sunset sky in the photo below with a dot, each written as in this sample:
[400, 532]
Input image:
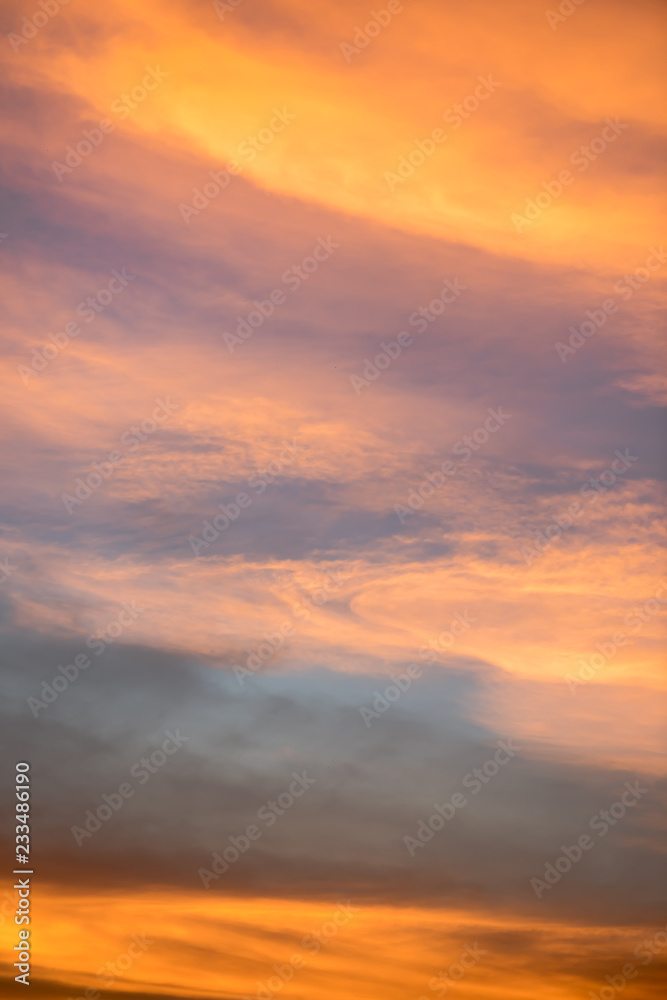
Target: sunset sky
[332, 488]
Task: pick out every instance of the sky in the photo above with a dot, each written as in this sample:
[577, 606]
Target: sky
[331, 578]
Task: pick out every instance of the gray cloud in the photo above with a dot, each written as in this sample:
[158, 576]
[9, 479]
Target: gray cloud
[372, 787]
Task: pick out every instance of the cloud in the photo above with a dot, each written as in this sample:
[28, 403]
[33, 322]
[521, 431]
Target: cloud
[372, 786]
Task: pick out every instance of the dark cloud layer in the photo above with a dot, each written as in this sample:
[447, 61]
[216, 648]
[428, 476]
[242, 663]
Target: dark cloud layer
[372, 787]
